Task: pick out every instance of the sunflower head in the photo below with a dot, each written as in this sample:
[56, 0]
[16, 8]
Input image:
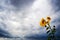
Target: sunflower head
[48, 19]
[42, 22]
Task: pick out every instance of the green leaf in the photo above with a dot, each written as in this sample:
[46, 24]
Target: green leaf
[53, 30]
[48, 31]
[54, 26]
[47, 28]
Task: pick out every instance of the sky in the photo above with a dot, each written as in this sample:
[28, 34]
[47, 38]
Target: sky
[20, 18]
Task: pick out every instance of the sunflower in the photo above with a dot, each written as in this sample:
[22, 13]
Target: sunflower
[42, 22]
[48, 19]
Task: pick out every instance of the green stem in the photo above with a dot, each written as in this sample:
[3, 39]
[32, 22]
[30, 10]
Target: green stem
[52, 34]
[49, 26]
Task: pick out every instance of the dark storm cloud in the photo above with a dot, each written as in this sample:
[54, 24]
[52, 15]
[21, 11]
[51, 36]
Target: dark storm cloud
[4, 33]
[37, 37]
[58, 30]
[56, 5]
[57, 20]
[19, 3]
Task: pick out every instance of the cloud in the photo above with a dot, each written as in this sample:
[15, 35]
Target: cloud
[4, 34]
[21, 3]
[24, 22]
[56, 5]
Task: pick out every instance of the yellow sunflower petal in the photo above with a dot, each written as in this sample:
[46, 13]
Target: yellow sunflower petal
[42, 22]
